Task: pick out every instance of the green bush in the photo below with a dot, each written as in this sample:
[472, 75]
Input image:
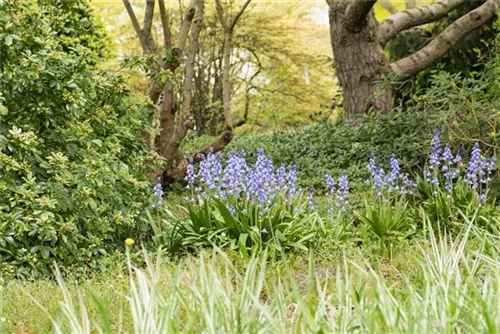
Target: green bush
[76, 24]
[72, 165]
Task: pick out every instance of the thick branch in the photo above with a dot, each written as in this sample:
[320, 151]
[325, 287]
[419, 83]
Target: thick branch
[165, 22]
[187, 90]
[148, 16]
[228, 36]
[356, 13]
[186, 25]
[409, 18]
[220, 15]
[387, 5]
[144, 35]
[411, 3]
[216, 146]
[226, 83]
[446, 40]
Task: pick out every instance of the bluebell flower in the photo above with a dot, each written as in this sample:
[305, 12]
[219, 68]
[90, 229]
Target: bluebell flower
[342, 193]
[190, 175]
[394, 175]
[339, 193]
[158, 192]
[330, 183]
[379, 180]
[475, 168]
[447, 159]
[435, 154]
[372, 166]
[310, 199]
[392, 182]
[291, 179]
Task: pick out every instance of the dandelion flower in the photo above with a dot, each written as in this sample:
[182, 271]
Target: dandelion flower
[129, 241]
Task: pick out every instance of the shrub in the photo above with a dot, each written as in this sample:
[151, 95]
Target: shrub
[72, 165]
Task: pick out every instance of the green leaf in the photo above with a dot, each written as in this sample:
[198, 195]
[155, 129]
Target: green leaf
[3, 110]
[226, 214]
[8, 40]
[242, 242]
[102, 313]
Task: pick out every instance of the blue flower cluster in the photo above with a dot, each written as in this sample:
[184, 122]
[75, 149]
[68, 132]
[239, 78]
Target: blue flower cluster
[260, 183]
[338, 195]
[387, 182]
[443, 165]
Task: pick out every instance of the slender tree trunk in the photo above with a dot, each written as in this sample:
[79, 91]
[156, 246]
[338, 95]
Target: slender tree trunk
[226, 80]
[359, 61]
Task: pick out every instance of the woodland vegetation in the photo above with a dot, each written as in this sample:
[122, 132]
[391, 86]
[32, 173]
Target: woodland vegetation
[249, 166]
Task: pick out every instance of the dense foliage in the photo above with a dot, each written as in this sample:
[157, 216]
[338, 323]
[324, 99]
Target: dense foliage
[73, 172]
[75, 24]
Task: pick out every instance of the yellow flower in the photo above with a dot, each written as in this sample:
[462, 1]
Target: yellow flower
[129, 241]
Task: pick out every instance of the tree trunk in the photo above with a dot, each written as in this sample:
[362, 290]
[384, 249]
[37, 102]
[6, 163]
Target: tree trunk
[359, 62]
[226, 80]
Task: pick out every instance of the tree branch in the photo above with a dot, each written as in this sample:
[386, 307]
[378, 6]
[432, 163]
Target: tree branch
[220, 15]
[135, 24]
[446, 40]
[147, 42]
[148, 16]
[387, 5]
[165, 22]
[356, 13]
[409, 18]
[238, 15]
[186, 25]
[411, 3]
[187, 89]
[216, 146]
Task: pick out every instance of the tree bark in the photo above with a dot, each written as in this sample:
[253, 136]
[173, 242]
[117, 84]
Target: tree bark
[226, 83]
[355, 14]
[359, 62]
[228, 26]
